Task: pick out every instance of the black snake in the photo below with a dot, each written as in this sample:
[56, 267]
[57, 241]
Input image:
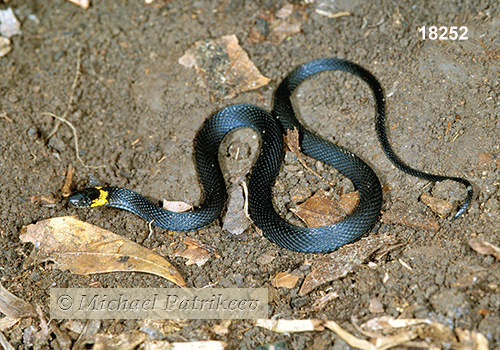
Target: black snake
[271, 128]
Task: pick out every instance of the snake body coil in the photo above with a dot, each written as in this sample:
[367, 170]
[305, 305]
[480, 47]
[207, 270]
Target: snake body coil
[271, 128]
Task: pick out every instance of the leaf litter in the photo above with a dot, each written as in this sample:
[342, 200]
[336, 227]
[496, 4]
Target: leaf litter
[386, 332]
[223, 67]
[86, 249]
[347, 259]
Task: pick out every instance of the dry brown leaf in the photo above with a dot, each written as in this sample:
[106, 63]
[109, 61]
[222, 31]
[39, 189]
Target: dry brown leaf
[14, 307]
[322, 210]
[223, 67]
[439, 206]
[375, 306]
[194, 254]
[275, 28]
[85, 249]
[483, 247]
[280, 30]
[267, 257]
[339, 263]
[285, 326]
[284, 280]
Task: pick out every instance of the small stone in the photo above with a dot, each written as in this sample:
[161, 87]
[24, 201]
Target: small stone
[375, 306]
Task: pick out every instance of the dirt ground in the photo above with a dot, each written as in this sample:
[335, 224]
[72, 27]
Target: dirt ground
[137, 111]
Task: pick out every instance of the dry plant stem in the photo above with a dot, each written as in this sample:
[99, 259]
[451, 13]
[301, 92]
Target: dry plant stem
[71, 96]
[60, 119]
[77, 150]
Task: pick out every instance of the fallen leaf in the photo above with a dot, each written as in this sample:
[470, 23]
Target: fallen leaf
[42, 336]
[85, 249]
[401, 214]
[439, 206]
[284, 280]
[285, 326]
[44, 201]
[5, 343]
[285, 11]
[375, 306]
[483, 247]
[274, 28]
[7, 322]
[88, 334]
[14, 307]
[280, 30]
[82, 3]
[223, 67]
[5, 47]
[194, 254]
[222, 328]
[177, 206]
[267, 257]
[348, 258]
[322, 210]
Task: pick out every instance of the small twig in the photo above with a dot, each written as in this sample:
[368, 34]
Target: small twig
[245, 192]
[292, 142]
[150, 225]
[77, 150]
[71, 96]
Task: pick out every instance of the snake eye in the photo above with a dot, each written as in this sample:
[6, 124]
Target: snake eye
[84, 198]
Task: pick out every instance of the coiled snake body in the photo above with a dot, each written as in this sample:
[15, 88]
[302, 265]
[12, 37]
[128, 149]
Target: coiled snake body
[271, 128]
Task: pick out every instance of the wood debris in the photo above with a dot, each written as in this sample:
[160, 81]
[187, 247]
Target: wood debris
[387, 332]
[483, 247]
[284, 280]
[14, 307]
[290, 326]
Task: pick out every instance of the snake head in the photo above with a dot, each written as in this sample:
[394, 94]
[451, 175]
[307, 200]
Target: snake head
[89, 197]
